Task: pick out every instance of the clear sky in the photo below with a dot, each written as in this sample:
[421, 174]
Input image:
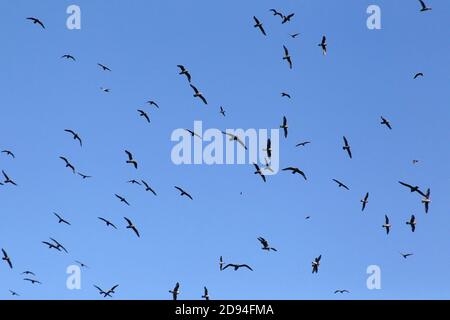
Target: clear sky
[366, 74]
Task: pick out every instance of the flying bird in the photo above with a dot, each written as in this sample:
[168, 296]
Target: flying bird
[61, 220]
[412, 223]
[193, 134]
[340, 184]
[347, 147]
[235, 138]
[324, 45]
[268, 148]
[426, 200]
[36, 21]
[59, 245]
[221, 263]
[83, 176]
[132, 226]
[294, 35]
[205, 294]
[237, 266]
[153, 103]
[81, 264]
[175, 291]
[259, 25]
[417, 75]
[33, 281]
[148, 188]
[29, 273]
[276, 13]
[198, 94]
[285, 127]
[287, 18]
[406, 255]
[287, 95]
[51, 245]
[259, 171]
[108, 223]
[68, 164]
[424, 6]
[8, 179]
[68, 56]
[9, 153]
[315, 264]
[6, 258]
[13, 293]
[341, 291]
[143, 114]
[103, 292]
[295, 170]
[287, 57]
[265, 244]
[365, 201]
[184, 193]
[105, 68]
[222, 111]
[106, 90]
[131, 160]
[122, 199]
[302, 144]
[412, 189]
[386, 224]
[184, 71]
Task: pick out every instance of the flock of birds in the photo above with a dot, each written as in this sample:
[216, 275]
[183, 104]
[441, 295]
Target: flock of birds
[129, 159]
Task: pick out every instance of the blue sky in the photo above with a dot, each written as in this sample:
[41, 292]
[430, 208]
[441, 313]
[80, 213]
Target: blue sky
[366, 74]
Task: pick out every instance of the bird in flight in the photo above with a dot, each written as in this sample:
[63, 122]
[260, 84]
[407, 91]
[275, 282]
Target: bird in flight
[406, 255]
[29, 273]
[184, 71]
[340, 184]
[105, 68]
[106, 90]
[386, 122]
[417, 75]
[68, 56]
[51, 245]
[36, 21]
[287, 18]
[68, 164]
[285, 127]
[81, 264]
[59, 245]
[295, 170]
[276, 13]
[122, 199]
[386, 224]
[198, 94]
[324, 45]
[108, 223]
[175, 291]
[147, 187]
[132, 226]
[131, 160]
[424, 6]
[365, 201]
[193, 134]
[184, 193]
[13, 293]
[33, 281]
[315, 264]
[237, 266]
[287, 57]
[7, 259]
[294, 35]
[61, 220]
[205, 294]
[153, 103]
[235, 138]
[341, 291]
[259, 25]
[268, 148]
[412, 223]
[302, 144]
[84, 176]
[413, 189]
[221, 263]
[222, 111]
[8, 179]
[265, 244]
[75, 136]
[259, 171]
[9, 153]
[287, 95]
[143, 114]
[426, 200]
[347, 147]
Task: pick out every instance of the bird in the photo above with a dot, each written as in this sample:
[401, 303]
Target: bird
[122, 199]
[184, 71]
[13, 293]
[221, 263]
[287, 95]
[315, 264]
[406, 255]
[36, 21]
[68, 56]
[33, 281]
[106, 90]
[424, 6]
[324, 45]
[147, 187]
[105, 68]
[412, 223]
[302, 144]
[295, 170]
[8, 179]
[294, 35]
[9, 153]
[84, 176]
[132, 226]
[205, 294]
[235, 138]
[276, 13]
[222, 111]
[265, 244]
[287, 18]
[113, 289]
[61, 220]
[131, 160]
[193, 134]
[237, 266]
[268, 148]
[413, 189]
[68, 164]
[81, 264]
[347, 147]
[341, 291]
[184, 193]
[365, 201]
[198, 94]
[134, 182]
[175, 291]
[417, 75]
[29, 273]
[259, 25]
[7, 259]
[386, 123]
[267, 165]
[285, 127]
[340, 184]
[143, 114]
[51, 245]
[108, 223]
[103, 292]
[426, 200]
[386, 224]
[287, 57]
[59, 245]
[259, 171]
[153, 103]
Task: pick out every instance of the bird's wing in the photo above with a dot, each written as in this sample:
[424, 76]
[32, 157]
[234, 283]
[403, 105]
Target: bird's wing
[194, 88]
[130, 156]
